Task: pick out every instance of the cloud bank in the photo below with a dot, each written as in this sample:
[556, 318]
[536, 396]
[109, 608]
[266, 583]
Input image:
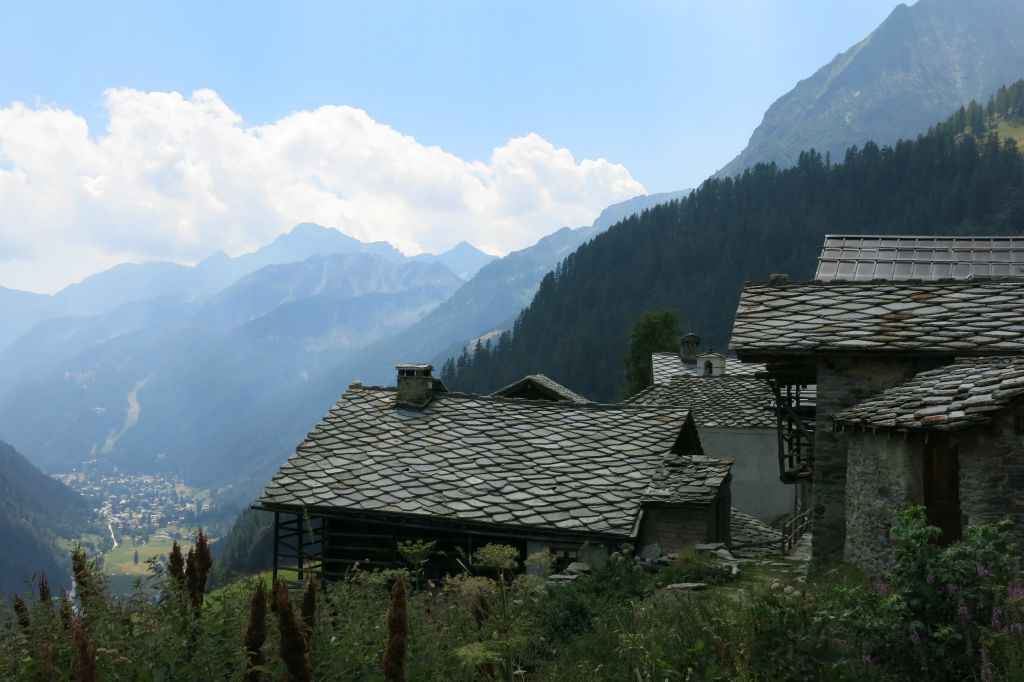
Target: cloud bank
[177, 178]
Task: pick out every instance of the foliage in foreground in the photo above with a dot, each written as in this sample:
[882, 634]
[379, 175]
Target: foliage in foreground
[939, 613]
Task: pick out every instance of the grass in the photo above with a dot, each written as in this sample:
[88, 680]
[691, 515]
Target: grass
[1005, 129]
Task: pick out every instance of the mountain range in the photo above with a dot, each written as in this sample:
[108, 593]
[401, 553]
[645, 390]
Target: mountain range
[922, 62]
[192, 370]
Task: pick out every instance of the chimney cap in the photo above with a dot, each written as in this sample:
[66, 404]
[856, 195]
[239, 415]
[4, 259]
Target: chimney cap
[412, 369]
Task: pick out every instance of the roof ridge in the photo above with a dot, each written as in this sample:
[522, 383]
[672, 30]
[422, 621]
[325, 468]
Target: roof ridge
[545, 404]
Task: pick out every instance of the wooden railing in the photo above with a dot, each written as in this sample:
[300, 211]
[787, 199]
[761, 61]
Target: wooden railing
[794, 529]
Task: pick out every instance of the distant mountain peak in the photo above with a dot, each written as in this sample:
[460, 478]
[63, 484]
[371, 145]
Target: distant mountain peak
[919, 64]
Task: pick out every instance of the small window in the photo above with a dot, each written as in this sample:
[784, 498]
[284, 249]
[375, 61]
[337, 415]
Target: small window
[709, 369]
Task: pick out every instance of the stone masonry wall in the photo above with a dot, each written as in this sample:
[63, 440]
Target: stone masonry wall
[674, 527]
[992, 471]
[884, 472]
[844, 380]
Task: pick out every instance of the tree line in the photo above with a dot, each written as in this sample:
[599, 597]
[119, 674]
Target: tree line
[693, 255]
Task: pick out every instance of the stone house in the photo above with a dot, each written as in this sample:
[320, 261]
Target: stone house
[735, 418]
[949, 439]
[689, 361]
[417, 462]
[855, 340]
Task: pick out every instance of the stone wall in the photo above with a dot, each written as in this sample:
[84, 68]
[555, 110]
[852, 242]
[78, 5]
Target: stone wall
[844, 380]
[675, 527]
[992, 471]
[884, 472]
[756, 488]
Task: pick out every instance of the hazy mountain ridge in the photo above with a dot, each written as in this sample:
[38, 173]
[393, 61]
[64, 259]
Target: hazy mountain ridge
[198, 378]
[921, 63]
[128, 283]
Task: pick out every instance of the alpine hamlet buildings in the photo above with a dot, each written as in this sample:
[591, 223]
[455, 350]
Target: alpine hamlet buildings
[416, 462]
[735, 418]
[916, 345]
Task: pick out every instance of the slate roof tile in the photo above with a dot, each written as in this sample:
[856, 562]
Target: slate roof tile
[552, 465]
[666, 366]
[724, 401]
[977, 316]
[547, 384]
[983, 386]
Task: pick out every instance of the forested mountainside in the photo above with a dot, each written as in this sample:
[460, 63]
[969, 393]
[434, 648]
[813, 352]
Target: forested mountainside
[922, 62]
[694, 254]
[36, 510]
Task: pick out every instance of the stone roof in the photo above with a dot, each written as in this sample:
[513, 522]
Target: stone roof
[956, 396]
[558, 466]
[545, 384]
[904, 257]
[951, 317]
[665, 366]
[693, 479]
[716, 402]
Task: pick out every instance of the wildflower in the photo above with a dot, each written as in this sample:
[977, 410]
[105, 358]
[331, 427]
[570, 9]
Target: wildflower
[1017, 591]
[961, 610]
[997, 616]
[256, 633]
[309, 610]
[86, 654]
[881, 588]
[21, 611]
[930, 579]
[986, 666]
[866, 659]
[176, 564]
[393, 661]
[44, 589]
[982, 571]
[1016, 628]
[915, 638]
[292, 645]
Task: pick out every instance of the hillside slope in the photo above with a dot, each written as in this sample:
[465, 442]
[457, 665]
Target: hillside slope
[693, 255]
[35, 510]
[921, 63]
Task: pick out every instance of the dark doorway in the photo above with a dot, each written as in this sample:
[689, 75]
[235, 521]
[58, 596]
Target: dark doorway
[942, 488]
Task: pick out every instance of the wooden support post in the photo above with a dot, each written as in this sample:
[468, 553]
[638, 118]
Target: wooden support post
[277, 521]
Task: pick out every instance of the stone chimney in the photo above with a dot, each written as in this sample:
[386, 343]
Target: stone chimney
[416, 385]
[688, 347]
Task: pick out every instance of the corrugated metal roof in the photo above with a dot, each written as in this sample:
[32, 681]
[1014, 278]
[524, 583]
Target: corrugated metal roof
[898, 257]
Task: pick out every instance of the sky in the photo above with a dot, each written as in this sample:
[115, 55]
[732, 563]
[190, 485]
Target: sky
[142, 131]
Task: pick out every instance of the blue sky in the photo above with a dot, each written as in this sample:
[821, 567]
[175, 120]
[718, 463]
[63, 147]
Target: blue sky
[668, 91]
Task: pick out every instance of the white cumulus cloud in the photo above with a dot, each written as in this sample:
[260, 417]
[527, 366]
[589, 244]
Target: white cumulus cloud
[178, 178]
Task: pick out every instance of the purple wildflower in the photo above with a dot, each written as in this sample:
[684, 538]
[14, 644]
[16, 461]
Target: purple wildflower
[915, 638]
[986, 666]
[881, 588]
[961, 610]
[997, 616]
[1017, 591]
[982, 571]
[930, 579]
[1016, 628]
[866, 659]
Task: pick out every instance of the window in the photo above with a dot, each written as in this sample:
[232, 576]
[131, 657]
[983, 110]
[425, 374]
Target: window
[709, 369]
